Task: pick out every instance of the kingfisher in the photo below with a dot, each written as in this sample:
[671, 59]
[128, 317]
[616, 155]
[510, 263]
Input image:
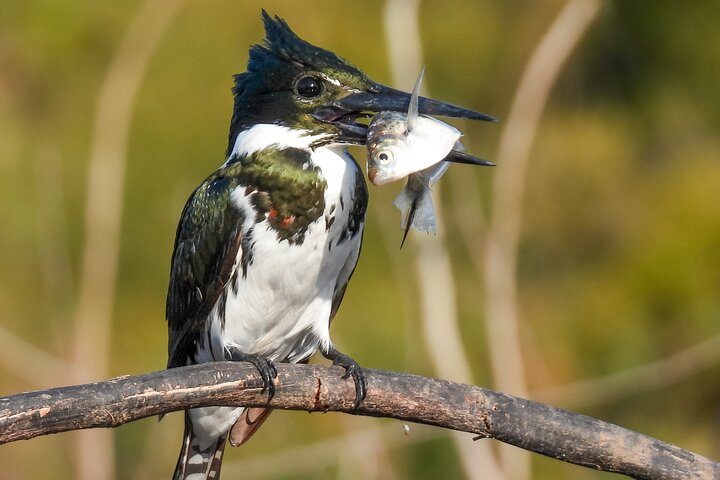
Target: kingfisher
[267, 243]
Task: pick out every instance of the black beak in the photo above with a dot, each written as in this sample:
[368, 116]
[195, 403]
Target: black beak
[457, 156]
[381, 98]
[344, 113]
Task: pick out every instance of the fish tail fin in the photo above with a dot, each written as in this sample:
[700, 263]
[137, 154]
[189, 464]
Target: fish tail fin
[197, 462]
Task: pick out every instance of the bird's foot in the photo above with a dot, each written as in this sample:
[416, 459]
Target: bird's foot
[264, 365]
[351, 368]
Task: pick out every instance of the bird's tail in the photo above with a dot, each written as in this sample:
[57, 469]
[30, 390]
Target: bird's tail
[199, 462]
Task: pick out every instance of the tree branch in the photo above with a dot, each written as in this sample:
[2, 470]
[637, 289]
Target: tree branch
[563, 435]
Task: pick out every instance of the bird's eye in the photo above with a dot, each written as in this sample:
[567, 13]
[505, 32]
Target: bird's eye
[309, 87]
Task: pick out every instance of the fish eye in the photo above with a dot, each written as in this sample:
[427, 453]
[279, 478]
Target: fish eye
[385, 156]
[309, 87]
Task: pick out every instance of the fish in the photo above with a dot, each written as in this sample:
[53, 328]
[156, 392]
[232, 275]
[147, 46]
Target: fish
[420, 148]
[401, 144]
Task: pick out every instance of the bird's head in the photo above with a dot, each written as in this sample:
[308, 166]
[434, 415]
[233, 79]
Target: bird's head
[291, 83]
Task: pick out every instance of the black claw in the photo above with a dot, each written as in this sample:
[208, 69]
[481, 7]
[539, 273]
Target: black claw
[352, 368]
[265, 367]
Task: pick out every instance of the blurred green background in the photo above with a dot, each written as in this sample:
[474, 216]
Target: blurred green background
[619, 258]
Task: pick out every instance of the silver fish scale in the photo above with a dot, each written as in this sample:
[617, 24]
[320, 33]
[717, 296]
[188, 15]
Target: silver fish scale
[386, 126]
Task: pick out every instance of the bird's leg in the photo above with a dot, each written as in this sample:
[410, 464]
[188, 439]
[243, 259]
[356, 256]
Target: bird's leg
[351, 368]
[264, 365]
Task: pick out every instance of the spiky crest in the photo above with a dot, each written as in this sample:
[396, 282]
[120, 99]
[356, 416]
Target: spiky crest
[265, 90]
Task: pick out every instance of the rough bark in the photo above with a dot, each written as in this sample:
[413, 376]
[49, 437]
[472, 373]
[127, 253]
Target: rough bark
[533, 426]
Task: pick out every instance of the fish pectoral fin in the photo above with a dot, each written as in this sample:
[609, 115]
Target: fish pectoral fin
[404, 203]
[409, 221]
[416, 210]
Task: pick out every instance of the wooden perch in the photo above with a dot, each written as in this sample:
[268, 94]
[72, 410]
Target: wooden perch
[559, 434]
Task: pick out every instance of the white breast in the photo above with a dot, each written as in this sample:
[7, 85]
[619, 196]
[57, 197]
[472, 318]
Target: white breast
[281, 308]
